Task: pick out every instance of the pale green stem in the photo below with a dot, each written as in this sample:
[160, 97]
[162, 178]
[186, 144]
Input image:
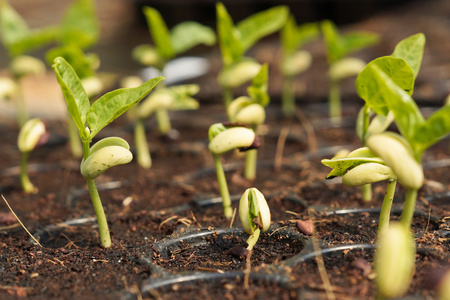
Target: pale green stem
[366, 191]
[252, 239]
[288, 97]
[162, 117]
[227, 96]
[103, 228]
[408, 209]
[250, 164]
[27, 186]
[224, 193]
[143, 153]
[334, 100]
[385, 213]
[74, 138]
[22, 111]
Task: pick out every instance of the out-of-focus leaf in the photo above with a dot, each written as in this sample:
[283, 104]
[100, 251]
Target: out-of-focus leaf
[75, 57]
[159, 32]
[186, 35]
[230, 44]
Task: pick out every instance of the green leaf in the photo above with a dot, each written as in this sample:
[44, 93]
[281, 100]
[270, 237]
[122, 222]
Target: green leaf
[17, 37]
[435, 128]
[111, 105]
[186, 35]
[159, 32]
[80, 25]
[339, 46]
[258, 90]
[261, 24]
[407, 115]
[411, 50]
[75, 57]
[230, 44]
[341, 166]
[293, 37]
[74, 93]
[368, 88]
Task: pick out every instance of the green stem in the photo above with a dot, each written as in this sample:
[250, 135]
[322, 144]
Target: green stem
[408, 209]
[224, 193]
[385, 212]
[288, 97]
[227, 96]
[143, 153]
[74, 138]
[22, 111]
[334, 100]
[27, 186]
[162, 117]
[252, 239]
[103, 228]
[250, 164]
[366, 191]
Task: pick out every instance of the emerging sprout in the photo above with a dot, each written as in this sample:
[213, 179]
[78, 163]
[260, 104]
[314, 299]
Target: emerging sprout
[90, 119]
[223, 138]
[254, 214]
[394, 261]
[32, 134]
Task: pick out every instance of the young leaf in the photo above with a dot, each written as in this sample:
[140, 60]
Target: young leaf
[398, 71]
[80, 25]
[261, 24]
[111, 105]
[159, 32]
[186, 35]
[411, 50]
[436, 127]
[74, 93]
[258, 90]
[75, 57]
[16, 36]
[407, 115]
[230, 44]
[293, 37]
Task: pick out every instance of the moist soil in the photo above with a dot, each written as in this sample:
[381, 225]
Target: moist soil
[179, 194]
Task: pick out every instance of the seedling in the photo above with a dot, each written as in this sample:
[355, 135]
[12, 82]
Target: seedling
[90, 119]
[362, 167]
[79, 30]
[163, 99]
[31, 135]
[224, 137]
[254, 213]
[250, 111]
[403, 72]
[19, 39]
[338, 47]
[294, 61]
[235, 41]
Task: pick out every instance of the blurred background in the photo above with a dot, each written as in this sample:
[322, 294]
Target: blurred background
[123, 27]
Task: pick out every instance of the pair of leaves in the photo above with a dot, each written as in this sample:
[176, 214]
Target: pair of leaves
[402, 66]
[339, 45]
[258, 90]
[78, 27]
[236, 40]
[16, 35]
[294, 37]
[183, 37]
[103, 111]
[420, 133]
